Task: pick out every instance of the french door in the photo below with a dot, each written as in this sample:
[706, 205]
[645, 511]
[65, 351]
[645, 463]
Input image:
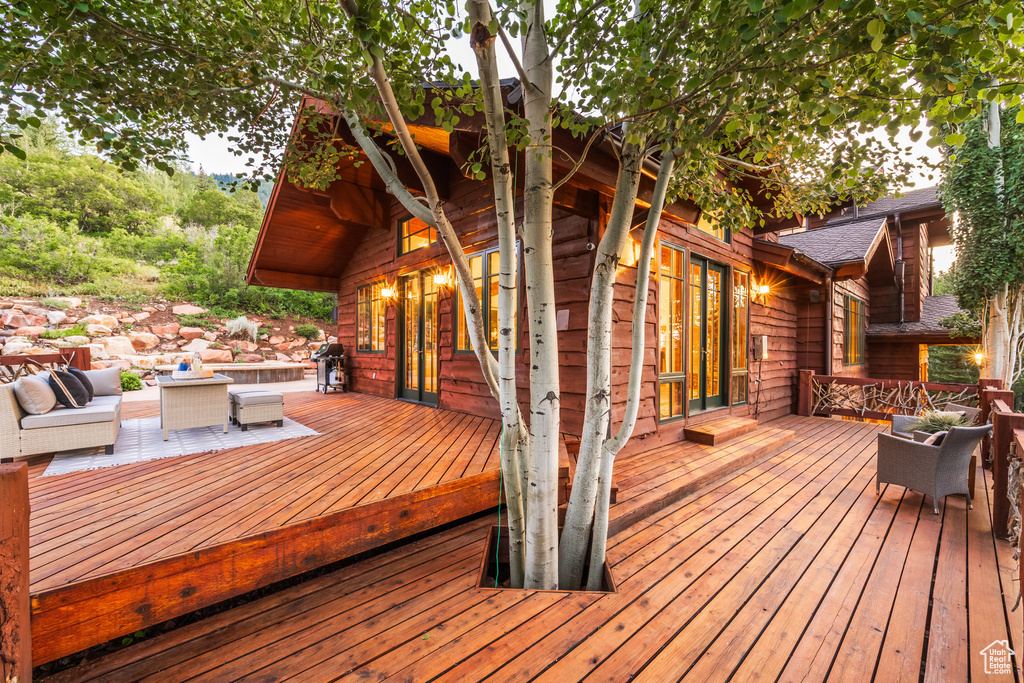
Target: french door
[708, 384]
[419, 338]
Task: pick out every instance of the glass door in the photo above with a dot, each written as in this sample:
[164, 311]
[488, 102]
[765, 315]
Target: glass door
[419, 338]
[708, 385]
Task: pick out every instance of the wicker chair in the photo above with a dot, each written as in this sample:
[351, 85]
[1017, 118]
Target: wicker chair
[936, 471]
[901, 423]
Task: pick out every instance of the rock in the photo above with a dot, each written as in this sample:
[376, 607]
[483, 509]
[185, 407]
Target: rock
[169, 331]
[196, 345]
[16, 348]
[276, 339]
[56, 317]
[187, 309]
[36, 310]
[160, 307]
[295, 358]
[315, 346]
[97, 351]
[148, 309]
[141, 315]
[71, 301]
[216, 355]
[143, 340]
[144, 361]
[280, 357]
[70, 320]
[332, 340]
[247, 346]
[101, 364]
[150, 381]
[191, 332]
[32, 332]
[36, 351]
[128, 320]
[5, 305]
[283, 346]
[95, 330]
[302, 354]
[251, 358]
[100, 319]
[77, 339]
[117, 346]
[13, 319]
[210, 336]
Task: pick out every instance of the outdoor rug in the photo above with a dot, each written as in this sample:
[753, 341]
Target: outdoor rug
[142, 439]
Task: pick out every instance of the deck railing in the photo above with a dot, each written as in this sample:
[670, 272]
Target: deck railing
[880, 399]
[15, 617]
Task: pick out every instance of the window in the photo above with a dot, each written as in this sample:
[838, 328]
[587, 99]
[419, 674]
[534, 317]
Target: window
[415, 234]
[370, 316]
[710, 225]
[740, 334]
[853, 331]
[671, 335]
[485, 268]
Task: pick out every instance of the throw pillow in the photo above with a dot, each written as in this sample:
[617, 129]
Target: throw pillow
[69, 391]
[105, 382]
[84, 379]
[935, 439]
[35, 395]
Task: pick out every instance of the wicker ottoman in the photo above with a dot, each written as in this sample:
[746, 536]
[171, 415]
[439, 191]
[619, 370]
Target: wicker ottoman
[249, 406]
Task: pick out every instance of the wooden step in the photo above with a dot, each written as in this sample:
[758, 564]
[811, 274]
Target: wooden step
[717, 432]
[673, 475]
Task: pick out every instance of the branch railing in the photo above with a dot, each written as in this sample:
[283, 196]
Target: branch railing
[880, 399]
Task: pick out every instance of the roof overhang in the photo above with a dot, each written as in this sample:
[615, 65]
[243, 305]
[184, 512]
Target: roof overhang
[789, 260]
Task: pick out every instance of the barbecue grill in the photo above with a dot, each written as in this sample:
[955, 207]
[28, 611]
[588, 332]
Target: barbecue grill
[330, 368]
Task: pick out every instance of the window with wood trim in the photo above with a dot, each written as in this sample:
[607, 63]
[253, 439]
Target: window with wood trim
[415, 234]
[710, 225]
[854, 326]
[671, 332]
[370, 318]
[485, 268]
[740, 335]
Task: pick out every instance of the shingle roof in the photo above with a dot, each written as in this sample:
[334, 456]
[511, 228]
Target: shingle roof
[925, 198]
[838, 244]
[933, 309]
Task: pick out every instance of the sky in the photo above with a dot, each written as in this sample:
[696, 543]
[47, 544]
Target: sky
[215, 156]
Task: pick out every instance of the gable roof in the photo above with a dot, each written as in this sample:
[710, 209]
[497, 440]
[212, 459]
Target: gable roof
[834, 246]
[933, 309]
[924, 199]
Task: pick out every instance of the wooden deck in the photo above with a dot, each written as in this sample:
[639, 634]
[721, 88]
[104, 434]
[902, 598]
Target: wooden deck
[115, 549]
[790, 570]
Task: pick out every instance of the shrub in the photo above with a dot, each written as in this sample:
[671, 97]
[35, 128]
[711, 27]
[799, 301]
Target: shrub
[309, 331]
[130, 381]
[76, 331]
[242, 324]
[938, 421]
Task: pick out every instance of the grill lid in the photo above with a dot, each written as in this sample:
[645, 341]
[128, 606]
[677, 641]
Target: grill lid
[330, 350]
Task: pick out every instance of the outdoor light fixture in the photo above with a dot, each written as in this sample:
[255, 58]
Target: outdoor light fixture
[442, 278]
[979, 357]
[388, 292]
[763, 289]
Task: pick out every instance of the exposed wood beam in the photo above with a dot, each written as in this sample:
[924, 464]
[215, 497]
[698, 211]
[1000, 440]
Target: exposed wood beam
[276, 278]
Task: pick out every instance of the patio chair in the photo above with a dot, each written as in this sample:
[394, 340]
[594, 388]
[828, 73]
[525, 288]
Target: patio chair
[901, 423]
[936, 471]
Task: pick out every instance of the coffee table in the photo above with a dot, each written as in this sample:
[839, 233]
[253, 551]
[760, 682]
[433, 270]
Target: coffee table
[188, 403]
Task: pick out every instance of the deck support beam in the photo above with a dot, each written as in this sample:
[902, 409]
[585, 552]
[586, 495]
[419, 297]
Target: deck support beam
[15, 617]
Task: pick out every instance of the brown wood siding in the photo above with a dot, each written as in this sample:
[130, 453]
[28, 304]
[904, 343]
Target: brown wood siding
[810, 327]
[893, 360]
[777, 318]
[859, 289]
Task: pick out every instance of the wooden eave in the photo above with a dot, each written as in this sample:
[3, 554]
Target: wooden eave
[787, 260]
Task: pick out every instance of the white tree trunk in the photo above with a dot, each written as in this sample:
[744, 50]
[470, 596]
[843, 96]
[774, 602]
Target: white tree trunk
[597, 414]
[542, 498]
[514, 437]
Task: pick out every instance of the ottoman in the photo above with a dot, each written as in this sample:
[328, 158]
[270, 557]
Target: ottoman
[249, 406]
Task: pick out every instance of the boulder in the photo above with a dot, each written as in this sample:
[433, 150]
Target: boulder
[332, 340]
[71, 301]
[187, 309]
[117, 346]
[5, 305]
[141, 315]
[143, 340]
[251, 358]
[97, 351]
[280, 357]
[196, 345]
[144, 361]
[101, 364]
[100, 319]
[13, 319]
[216, 356]
[160, 307]
[36, 351]
[149, 309]
[247, 346]
[190, 332]
[169, 331]
[56, 317]
[127, 320]
[77, 339]
[276, 339]
[150, 381]
[210, 336]
[36, 310]
[32, 332]
[95, 330]
[16, 348]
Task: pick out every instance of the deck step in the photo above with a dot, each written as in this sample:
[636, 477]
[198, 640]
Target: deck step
[717, 432]
[658, 485]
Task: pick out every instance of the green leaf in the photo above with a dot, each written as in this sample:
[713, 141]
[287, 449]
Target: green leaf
[955, 139]
[915, 16]
[16, 151]
[755, 5]
[876, 27]
[82, 7]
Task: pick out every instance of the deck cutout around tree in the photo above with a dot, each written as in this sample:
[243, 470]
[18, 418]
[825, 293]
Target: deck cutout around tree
[494, 566]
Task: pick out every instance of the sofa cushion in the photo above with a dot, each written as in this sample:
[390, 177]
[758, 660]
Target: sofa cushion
[257, 398]
[34, 395]
[113, 401]
[69, 391]
[84, 379]
[105, 382]
[63, 417]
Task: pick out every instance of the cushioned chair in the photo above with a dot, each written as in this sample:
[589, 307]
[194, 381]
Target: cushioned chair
[936, 471]
[901, 423]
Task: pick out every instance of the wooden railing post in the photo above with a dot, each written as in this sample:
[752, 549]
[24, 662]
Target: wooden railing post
[81, 358]
[1004, 423]
[15, 624]
[805, 393]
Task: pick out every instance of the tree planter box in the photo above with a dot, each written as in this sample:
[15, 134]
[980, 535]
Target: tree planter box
[494, 563]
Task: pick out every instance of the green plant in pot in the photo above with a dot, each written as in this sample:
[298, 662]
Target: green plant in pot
[934, 421]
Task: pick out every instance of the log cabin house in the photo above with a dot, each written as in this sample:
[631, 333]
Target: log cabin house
[732, 315]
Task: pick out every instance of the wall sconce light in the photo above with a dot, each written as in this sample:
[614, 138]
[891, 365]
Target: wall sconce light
[443, 277]
[388, 292]
[979, 358]
[760, 291]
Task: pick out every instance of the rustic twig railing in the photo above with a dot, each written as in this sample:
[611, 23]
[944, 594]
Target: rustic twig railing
[878, 399]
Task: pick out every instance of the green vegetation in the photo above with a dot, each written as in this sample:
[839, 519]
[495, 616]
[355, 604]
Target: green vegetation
[308, 331]
[130, 381]
[71, 223]
[76, 331]
[932, 421]
[954, 364]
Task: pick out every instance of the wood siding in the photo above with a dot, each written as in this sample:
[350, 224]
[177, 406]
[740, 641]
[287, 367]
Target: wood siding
[894, 360]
